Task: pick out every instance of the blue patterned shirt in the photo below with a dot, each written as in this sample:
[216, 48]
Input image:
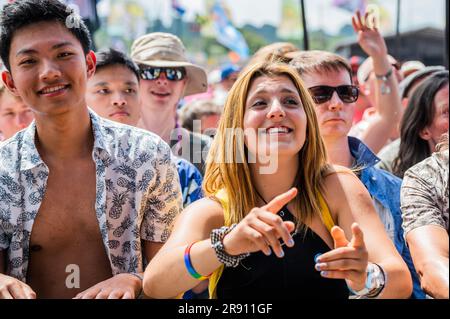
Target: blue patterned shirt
[190, 181]
[137, 193]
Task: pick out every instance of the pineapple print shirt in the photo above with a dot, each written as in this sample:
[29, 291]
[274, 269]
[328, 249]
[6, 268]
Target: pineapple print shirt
[138, 194]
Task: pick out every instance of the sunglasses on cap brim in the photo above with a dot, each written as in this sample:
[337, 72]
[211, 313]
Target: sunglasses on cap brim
[324, 93]
[172, 74]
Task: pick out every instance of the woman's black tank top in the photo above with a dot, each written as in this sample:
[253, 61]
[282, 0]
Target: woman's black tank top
[291, 277]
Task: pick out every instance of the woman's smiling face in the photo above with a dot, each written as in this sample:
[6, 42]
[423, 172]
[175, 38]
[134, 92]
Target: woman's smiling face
[274, 114]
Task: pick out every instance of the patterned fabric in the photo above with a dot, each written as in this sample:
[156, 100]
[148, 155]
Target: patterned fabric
[384, 188]
[425, 193]
[190, 181]
[129, 162]
[388, 154]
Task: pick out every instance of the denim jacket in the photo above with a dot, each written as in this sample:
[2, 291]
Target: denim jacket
[385, 188]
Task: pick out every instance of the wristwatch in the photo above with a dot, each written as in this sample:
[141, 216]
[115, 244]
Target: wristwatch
[375, 282]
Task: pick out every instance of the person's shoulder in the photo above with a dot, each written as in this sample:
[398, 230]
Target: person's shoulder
[430, 168]
[134, 137]
[334, 171]
[390, 151]
[336, 177]
[208, 210]
[378, 173]
[119, 130]
[11, 152]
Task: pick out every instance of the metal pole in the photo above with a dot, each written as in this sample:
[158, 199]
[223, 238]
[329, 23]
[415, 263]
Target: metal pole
[305, 28]
[397, 32]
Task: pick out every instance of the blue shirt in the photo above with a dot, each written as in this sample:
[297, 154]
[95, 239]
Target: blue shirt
[190, 181]
[384, 188]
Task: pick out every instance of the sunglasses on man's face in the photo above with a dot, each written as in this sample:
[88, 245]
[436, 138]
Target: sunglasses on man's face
[172, 74]
[324, 93]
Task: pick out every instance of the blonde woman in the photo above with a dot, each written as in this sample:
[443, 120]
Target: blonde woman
[278, 222]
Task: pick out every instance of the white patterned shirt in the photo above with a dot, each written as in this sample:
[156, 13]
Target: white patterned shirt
[425, 193]
[138, 193]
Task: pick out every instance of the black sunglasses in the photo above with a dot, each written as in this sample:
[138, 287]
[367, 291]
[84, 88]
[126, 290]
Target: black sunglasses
[172, 74]
[323, 93]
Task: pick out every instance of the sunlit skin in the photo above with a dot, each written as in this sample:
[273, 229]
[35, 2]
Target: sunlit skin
[209, 122]
[49, 70]
[160, 97]
[335, 117]
[274, 104]
[229, 81]
[113, 93]
[47, 74]
[14, 115]
[439, 126]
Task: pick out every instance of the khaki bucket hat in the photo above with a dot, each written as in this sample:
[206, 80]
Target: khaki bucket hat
[160, 49]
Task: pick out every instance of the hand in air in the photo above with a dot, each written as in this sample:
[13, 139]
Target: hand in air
[369, 38]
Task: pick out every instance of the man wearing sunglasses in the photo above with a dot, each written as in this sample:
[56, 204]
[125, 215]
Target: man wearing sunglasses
[166, 77]
[328, 77]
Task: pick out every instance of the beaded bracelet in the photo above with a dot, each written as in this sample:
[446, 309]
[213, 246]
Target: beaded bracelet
[190, 268]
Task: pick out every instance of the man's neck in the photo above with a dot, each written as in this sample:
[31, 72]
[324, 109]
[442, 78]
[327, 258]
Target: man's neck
[64, 137]
[338, 151]
[160, 123]
[271, 185]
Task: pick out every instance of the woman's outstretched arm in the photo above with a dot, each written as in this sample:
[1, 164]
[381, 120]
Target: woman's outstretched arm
[350, 203]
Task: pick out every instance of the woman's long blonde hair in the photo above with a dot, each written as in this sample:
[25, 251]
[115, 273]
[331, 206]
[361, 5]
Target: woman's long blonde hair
[234, 177]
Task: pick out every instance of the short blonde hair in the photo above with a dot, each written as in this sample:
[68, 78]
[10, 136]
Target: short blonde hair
[195, 110]
[277, 49]
[316, 61]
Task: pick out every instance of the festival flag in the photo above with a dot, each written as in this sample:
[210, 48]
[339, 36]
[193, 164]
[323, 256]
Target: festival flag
[226, 33]
[178, 7]
[290, 26]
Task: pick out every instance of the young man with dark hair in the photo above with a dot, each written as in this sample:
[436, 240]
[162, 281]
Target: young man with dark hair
[84, 202]
[113, 91]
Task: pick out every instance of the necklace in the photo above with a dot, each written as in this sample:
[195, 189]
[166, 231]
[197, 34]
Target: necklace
[281, 213]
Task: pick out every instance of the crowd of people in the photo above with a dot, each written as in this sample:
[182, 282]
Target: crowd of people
[297, 174]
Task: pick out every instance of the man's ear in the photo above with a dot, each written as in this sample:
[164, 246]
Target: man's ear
[425, 134]
[9, 83]
[91, 61]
